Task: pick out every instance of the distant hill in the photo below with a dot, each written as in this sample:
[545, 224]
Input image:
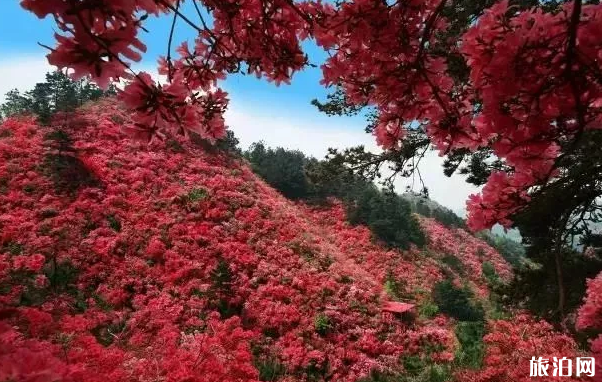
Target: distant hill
[430, 208]
[512, 234]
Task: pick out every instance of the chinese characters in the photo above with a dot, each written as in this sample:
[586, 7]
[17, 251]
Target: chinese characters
[563, 367]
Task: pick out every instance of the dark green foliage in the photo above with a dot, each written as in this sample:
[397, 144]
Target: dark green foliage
[269, 368]
[535, 286]
[315, 372]
[322, 324]
[590, 239]
[227, 144]
[423, 209]
[437, 373]
[456, 302]
[490, 274]
[114, 223]
[327, 178]
[454, 263]
[62, 276]
[337, 104]
[387, 215]
[221, 291]
[477, 166]
[60, 141]
[448, 218]
[428, 309]
[512, 251]
[221, 276]
[281, 169]
[472, 349]
[555, 219]
[395, 288]
[15, 104]
[68, 173]
[57, 93]
[422, 205]
[174, 146]
[197, 194]
[413, 364]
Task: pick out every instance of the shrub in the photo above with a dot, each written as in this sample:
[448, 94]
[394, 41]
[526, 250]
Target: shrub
[454, 263]
[413, 364]
[221, 291]
[114, 223]
[455, 302]
[428, 309]
[197, 194]
[472, 349]
[269, 368]
[322, 324]
[388, 216]
[394, 287]
[437, 373]
[490, 274]
[280, 168]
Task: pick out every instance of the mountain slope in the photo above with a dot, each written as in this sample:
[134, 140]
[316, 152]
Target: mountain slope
[126, 262]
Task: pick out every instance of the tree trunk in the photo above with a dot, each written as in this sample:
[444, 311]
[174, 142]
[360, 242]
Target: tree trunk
[558, 248]
[560, 281]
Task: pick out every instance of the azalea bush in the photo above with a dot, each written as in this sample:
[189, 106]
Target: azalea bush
[510, 93]
[511, 344]
[590, 317]
[463, 96]
[456, 302]
[182, 265]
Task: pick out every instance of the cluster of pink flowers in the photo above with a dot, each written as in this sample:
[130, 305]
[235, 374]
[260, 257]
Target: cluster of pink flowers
[181, 265]
[363, 256]
[534, 74]
[512, 344]
[590, 317]
[124, 278]
[100, 38]
[471, 252]
[529, 77]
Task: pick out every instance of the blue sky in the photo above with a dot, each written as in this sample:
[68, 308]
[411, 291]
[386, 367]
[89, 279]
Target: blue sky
[281, 116]
[20, 32]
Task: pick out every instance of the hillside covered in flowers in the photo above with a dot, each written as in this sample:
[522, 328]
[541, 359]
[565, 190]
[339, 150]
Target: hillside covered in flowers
[171, 262]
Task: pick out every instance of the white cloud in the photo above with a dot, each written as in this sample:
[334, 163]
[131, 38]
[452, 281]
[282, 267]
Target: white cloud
[451, 192]
[291, 131]
[312, 135]
[22, 73]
